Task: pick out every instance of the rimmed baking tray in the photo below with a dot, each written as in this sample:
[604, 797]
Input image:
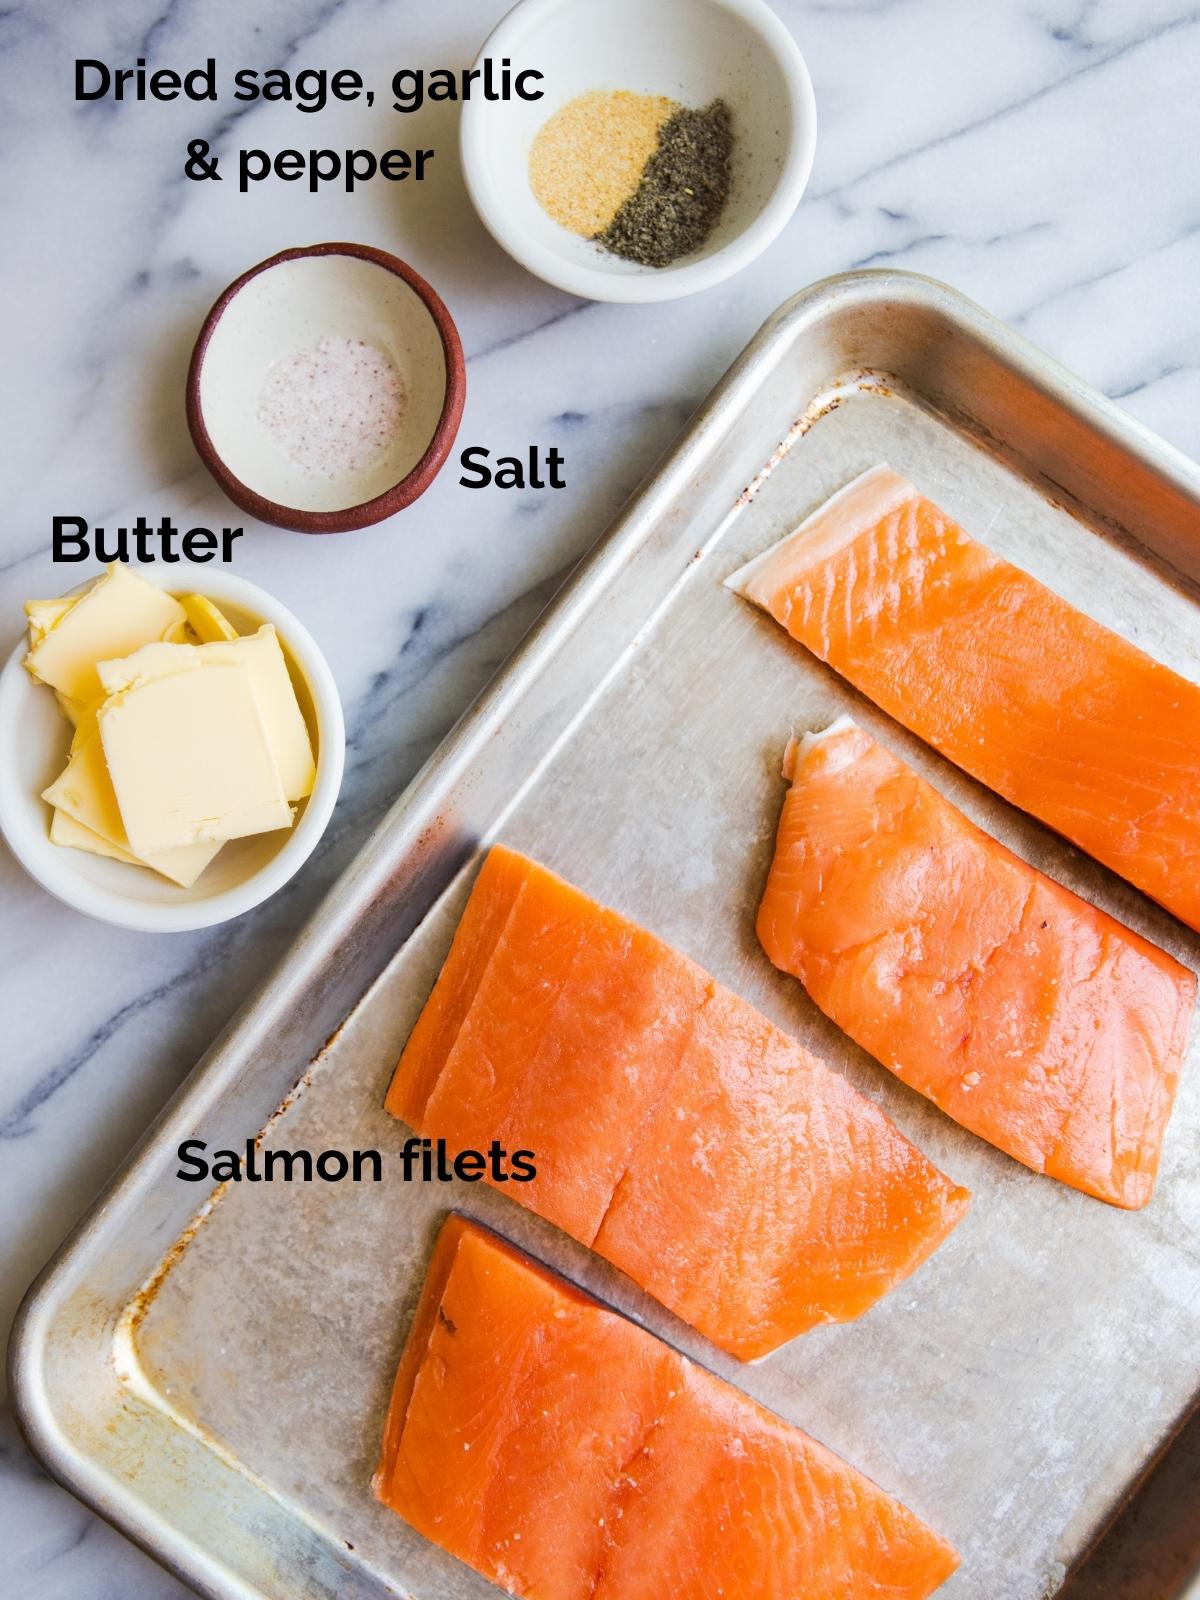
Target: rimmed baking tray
[214, 1383]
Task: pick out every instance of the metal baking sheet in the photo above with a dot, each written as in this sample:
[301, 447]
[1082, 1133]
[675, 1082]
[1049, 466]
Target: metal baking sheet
[216, 1384]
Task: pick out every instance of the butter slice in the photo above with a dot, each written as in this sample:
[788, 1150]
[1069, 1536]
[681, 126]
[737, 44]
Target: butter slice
[118, 614]
[205, 620]
[83, 795]
[86, 726]
[65, 830]
[46, 614]
[262, 656]
[73, 710]
[190, 759]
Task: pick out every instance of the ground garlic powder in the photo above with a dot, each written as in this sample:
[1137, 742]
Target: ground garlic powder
[589, 157]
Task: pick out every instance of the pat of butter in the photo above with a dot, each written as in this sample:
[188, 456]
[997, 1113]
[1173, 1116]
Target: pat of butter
[205, 620]
[190, 759]
[261, 655]
[73, 710]
[83, 795]
[117, 615]
[65, 830]
[44, 615]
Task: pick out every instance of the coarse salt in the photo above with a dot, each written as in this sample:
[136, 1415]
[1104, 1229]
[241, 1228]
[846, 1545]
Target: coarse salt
[333, 408]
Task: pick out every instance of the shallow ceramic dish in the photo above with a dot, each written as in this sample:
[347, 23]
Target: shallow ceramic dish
[286, 307]
[34, 739]
[694, 51]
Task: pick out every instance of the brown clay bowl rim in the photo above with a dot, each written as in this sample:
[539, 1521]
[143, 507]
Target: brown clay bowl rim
[401, 494]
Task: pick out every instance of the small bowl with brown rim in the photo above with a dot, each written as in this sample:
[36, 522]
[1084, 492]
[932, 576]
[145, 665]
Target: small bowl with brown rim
[326, 388]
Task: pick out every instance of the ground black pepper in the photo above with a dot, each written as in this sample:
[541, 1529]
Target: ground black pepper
[682, 191]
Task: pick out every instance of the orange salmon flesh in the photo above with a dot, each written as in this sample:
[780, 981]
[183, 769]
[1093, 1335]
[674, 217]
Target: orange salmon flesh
[1029, 1016]
[676, 1131]
[1059, 715]
[566, 1454]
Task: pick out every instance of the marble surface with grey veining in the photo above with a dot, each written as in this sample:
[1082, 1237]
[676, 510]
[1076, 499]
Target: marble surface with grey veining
[1038, 154]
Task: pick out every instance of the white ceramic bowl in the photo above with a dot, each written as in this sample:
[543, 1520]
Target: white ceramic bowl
[691, 50]
[34, 739]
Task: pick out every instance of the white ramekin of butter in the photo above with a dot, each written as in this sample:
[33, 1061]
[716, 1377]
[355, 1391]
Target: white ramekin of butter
[170, 758]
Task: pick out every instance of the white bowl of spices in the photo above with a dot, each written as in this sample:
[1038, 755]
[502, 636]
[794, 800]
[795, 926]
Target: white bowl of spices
[326, 388]
[672, 143]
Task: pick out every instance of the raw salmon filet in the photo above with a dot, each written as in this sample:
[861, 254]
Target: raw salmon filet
[675, 1130]
[1029, 1016]
[1054, 712]
[567, 1454]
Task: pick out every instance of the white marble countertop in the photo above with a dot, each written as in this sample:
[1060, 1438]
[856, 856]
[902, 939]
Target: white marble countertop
[1038, 154]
